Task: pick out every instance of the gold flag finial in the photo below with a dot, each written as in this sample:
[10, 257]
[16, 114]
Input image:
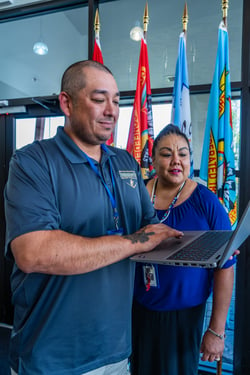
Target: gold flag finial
[224, 7]
[145, 19]
[185, 18]
[97, 25]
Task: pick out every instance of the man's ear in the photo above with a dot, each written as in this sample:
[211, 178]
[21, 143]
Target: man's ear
[65, 103]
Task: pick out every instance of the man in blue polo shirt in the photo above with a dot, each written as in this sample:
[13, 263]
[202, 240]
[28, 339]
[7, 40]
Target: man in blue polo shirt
[75, 211]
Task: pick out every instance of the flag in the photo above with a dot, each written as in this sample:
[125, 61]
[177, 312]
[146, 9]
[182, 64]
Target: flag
[181, 114]
[141, 131]
[217, 163]
[97, 53]
[97, 56]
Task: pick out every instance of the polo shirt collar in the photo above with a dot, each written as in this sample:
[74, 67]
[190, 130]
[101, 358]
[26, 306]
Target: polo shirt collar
[71, 151]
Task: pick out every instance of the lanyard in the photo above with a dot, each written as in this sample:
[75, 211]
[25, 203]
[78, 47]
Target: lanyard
[111, 196]
[168, 210]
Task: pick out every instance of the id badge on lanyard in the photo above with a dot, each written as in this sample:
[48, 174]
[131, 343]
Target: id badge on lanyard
[150, 276]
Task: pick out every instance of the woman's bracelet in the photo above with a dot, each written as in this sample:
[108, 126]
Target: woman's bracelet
[216, 334]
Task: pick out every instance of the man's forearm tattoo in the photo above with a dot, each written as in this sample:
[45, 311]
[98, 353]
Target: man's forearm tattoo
[139, 236]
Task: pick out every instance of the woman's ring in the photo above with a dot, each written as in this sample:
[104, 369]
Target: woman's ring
[217, 359]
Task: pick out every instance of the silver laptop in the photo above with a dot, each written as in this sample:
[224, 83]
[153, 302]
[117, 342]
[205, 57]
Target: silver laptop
[208, 249]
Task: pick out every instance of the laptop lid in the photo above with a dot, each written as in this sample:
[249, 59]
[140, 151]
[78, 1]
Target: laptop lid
[240, 234]
[208, 249]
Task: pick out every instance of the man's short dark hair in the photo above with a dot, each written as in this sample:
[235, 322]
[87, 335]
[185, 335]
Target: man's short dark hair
[74, 79]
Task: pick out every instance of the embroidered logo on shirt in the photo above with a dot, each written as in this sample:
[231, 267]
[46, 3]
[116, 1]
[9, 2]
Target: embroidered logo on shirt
[129, 178]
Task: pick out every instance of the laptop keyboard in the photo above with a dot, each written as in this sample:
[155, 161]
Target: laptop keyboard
[198, 249]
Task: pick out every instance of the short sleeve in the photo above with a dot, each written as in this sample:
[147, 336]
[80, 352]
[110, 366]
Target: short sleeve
[29, 198]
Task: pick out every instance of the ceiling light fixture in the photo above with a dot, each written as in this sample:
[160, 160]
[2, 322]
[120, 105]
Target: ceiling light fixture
[40, 48]
[136, 32]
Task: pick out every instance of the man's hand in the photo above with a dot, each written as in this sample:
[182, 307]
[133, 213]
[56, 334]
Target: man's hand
[151, 235]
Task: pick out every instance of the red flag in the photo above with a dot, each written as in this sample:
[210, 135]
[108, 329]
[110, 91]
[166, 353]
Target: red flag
[141, 132]
[97, 53]
[97, 56]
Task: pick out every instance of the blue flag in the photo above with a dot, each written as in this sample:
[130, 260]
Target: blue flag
[181, 114]
[217, 163]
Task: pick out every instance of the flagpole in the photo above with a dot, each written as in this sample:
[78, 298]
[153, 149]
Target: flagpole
[97, 56]
[181, 112]
[145, 21]
[185, 19]
[97, 24]
[224, 7]
[97, 52]
[141, 130]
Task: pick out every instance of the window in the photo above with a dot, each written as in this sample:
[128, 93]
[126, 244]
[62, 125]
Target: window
[26, 128]
[24, 74]
[162, 116]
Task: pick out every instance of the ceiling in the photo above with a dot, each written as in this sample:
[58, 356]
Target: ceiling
[7, 4]
[24, 74]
